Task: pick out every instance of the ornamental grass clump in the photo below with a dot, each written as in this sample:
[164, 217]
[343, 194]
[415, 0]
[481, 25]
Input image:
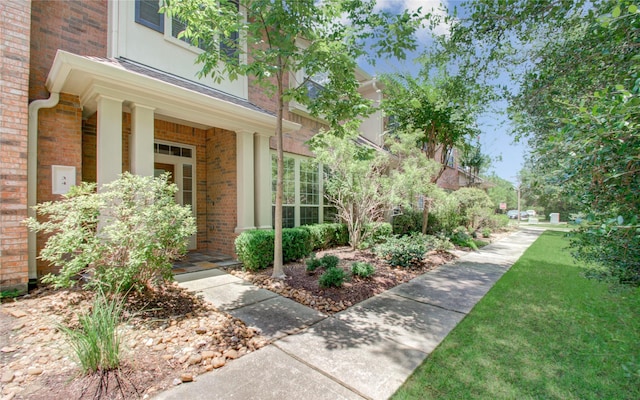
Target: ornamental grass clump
[96, 342]
[362, 269]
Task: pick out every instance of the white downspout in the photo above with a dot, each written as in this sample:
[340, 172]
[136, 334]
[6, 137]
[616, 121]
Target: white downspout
[32, 172]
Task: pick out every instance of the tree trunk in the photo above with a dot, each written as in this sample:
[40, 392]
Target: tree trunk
[278, 270]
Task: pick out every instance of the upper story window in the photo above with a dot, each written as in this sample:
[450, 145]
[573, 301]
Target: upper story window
[315, 84]
[147, 14]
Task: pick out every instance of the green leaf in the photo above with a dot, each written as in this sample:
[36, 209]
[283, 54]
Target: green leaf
[633, 9]
[616, 12]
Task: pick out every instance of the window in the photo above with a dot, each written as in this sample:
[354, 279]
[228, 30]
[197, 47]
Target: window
[315, 84]
[148, 14]
[303, 202]
[229, 44]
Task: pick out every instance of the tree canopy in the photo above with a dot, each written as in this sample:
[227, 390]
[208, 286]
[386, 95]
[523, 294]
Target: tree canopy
[575, 99]
[273, 40]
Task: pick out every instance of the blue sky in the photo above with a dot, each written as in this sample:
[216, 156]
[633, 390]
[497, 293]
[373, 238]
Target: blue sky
[508, 157]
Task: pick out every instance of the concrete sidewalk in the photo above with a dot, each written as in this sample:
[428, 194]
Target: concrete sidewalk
[366, 351]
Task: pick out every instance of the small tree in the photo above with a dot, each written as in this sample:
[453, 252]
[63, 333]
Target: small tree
[355, 182]
[123, 237]
[284, 37]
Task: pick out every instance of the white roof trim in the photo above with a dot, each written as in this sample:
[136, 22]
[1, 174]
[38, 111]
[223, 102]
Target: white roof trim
[89, 78]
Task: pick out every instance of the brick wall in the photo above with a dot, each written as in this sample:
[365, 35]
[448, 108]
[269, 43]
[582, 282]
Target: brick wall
[79, 27]
[59, 143]
[14, 72]
[221, 190]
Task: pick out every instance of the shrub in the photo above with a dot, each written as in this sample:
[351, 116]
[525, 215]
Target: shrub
[124, 237]
[96, 343]
[461, 238]
[327, 262]
[332, 277]
[495, 222]
[375, 232]
[296, 244]
[362, 269]
[486, 232]
[403, 251]
[408, 222]
[255, 249]
[324, 236]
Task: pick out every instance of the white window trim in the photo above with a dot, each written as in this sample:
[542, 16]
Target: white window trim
[297, 205]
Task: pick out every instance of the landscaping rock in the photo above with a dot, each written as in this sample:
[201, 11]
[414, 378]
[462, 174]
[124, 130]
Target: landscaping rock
[186, 377]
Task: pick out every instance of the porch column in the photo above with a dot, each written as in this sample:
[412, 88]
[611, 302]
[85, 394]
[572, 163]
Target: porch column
[263, 182]
[109, 140]
[245, 181]
[141, 147]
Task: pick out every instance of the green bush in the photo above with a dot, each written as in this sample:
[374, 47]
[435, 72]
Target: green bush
[126, 236]
[362, 269]
[332, 277]
[486, 232]
[324, 236]
[495, 222]
[376, 232]
[327, 262]
[461, 238]
[96, 343]
[255, 247]
[408, 222]
[296, 244]
[404, 251]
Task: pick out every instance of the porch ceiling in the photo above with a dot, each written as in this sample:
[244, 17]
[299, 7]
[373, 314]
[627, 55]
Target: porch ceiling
[173, 98]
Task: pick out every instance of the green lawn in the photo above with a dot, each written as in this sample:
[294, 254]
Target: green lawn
[542, 332]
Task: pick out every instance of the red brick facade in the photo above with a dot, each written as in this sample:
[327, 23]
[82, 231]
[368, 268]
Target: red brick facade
[15, 19]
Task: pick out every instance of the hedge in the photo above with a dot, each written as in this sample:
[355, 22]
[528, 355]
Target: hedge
[255, 248]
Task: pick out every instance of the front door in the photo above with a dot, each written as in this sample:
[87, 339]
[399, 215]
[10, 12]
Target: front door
[179, 162]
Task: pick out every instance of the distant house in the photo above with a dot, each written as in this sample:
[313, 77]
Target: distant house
[93, 88]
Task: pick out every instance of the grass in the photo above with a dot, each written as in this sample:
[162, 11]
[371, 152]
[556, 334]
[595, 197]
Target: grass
[543, 332]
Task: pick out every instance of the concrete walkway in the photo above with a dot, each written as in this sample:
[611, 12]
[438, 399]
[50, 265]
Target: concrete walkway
[366, 351]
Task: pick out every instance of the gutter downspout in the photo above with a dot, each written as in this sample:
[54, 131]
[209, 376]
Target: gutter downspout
[32, 172]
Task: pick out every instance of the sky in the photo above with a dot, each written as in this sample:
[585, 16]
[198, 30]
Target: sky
[507, 156]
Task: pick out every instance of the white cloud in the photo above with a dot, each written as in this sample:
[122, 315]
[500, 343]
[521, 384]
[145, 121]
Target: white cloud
[428, 6]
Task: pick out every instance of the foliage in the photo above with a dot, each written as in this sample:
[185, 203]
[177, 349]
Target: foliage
[362, 269]
[409, 221]
[255, 247]
[486, 232]
[461, 238]
[376, 232]
[282, 38]
[96, 343]
[474, 205]
[10, 293]
[327, 262]
[446, 216]
[588, 352]
[356, 184]
[404, 251]
[496, 222]
[474, 161]
[123, 237]
[502, 191]
[324, 236]
[332, 277]
[296, 244]
[577, 104]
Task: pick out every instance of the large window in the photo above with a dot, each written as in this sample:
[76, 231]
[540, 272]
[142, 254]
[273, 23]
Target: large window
[303, 201]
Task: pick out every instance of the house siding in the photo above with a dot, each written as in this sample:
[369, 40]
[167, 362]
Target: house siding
[15, 18]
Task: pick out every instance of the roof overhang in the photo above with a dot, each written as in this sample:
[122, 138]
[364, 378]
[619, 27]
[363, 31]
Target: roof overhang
[89, 78]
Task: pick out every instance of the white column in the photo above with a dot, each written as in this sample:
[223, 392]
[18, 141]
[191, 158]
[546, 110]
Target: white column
[141, 147]
[263, 182]
[245, 181]
[109, 140]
